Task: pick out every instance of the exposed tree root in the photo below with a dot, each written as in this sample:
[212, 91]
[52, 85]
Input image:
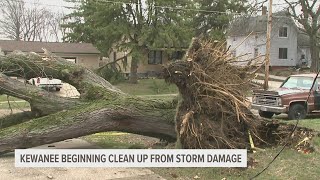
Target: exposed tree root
[214, 111]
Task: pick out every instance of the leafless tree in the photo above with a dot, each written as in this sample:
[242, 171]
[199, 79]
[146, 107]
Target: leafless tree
[307, 13]
[56, 30]
[12, 17]
[34, 23]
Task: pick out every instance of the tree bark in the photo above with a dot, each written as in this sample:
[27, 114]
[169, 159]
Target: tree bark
[134, 71]
[102, 107]
[314, 54]
[72, 124]
[32, 65]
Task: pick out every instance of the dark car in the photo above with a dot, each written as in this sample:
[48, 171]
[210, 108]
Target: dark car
[289, 98]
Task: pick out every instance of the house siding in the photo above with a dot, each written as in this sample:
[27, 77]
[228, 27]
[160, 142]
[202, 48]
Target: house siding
[143, 66]
[124, 67]
[245, 45]
[289, 42]
[90, 61]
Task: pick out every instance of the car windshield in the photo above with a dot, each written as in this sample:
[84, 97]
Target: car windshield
[296, 82]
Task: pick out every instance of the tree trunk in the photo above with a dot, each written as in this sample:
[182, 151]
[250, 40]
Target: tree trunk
[134, 71]
[314, 50]
[101, 107]
[41, 102]
[89, 119]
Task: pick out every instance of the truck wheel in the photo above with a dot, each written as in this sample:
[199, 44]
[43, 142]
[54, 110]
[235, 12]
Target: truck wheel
[57, 89]
[266, 114]
[297, 111]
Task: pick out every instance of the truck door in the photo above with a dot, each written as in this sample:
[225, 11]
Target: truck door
[317, 95]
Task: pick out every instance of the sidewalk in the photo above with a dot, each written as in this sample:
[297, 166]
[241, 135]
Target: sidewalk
[279, 78]
[8, 171]
[272, 84]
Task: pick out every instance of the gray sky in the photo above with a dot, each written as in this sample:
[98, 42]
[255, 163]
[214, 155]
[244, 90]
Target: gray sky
[54, 5]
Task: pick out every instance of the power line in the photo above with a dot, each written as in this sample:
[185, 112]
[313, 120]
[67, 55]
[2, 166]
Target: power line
[124, 3]
[169, 7]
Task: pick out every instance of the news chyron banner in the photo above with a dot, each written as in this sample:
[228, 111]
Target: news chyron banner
[131, 158]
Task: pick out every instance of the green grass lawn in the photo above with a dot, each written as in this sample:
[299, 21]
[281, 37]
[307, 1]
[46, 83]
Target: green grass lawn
[4, 98]
[289, 165]
[115, 140]
[148, 87]
[15, 103]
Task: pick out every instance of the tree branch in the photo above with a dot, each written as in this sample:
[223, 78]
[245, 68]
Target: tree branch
[133, 115]
[32, 65]
[42, 102]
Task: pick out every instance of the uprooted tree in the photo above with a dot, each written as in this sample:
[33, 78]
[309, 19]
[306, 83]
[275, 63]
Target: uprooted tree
[212, 111]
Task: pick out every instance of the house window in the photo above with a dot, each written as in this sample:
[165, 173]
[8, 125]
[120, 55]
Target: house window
[283, 32]
[177, 55]
[256, 52]
[283, 53]
[155, 57]
[71, 59]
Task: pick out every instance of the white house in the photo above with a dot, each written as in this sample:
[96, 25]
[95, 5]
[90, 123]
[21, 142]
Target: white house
[289, 45]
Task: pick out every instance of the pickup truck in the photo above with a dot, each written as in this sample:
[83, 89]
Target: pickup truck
[46, 83]
[290, 98]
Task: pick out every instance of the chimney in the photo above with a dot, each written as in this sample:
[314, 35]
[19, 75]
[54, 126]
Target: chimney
[264, 10]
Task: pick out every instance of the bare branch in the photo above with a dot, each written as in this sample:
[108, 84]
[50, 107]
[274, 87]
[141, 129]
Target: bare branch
[28, 23]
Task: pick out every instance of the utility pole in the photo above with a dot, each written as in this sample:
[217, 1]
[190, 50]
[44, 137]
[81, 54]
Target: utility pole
[267, 60]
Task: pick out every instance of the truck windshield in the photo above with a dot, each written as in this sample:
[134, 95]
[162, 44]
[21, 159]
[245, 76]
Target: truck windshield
[296, 82]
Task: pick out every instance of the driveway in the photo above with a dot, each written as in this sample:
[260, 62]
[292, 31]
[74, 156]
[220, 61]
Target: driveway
[67, 90]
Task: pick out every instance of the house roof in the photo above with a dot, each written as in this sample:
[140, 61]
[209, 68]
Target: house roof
[245, 25]
[54, 47]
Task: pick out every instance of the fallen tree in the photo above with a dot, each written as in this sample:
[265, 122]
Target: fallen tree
[101, 106]
[212, 112]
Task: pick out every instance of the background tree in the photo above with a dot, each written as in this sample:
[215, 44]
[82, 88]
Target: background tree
[11, 23]
[307, 13]
[213, 19]
[133, 25]
[33, 23]
[57, 32]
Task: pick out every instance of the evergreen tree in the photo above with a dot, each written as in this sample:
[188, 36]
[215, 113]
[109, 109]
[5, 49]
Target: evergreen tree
[133, 25]
[214, 16]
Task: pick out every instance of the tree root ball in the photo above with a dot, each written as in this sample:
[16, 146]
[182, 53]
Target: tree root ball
[213, 111]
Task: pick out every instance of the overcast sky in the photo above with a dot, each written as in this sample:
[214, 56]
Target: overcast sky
[54, 5]
[59, 6]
